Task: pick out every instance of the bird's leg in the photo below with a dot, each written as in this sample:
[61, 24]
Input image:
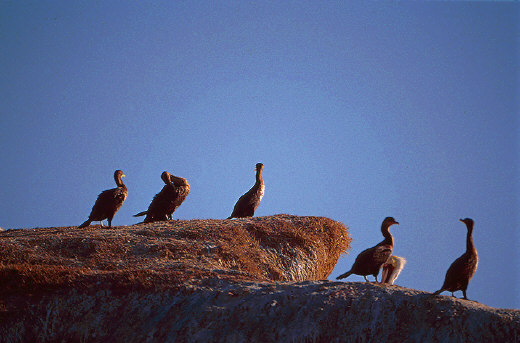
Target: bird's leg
[464, 293]
[101, 223]
[366, 278]
[109, 223]
[376, 279]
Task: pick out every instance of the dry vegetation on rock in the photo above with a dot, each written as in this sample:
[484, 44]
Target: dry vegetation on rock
[165, 254]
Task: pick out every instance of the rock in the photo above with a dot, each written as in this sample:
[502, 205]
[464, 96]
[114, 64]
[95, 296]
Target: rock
[244, 280]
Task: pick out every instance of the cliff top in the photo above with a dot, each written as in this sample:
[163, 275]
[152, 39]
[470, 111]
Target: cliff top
[168, 254]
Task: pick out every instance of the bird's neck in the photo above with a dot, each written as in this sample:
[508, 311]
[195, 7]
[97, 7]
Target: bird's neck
[389, 239]
[259, 179]
[469, 239]
[119, 181]
[166, 179]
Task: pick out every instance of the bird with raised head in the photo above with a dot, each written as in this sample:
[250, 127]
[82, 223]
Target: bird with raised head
[249, 202]
[463, 268]
[108, 202]
[369, 261]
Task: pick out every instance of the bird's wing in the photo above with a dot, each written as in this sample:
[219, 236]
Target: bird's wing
[382, 253]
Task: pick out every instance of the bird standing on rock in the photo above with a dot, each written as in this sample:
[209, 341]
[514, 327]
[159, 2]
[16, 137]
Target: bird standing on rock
[249, 202]
[165, 202]
[369, 261]
[462, 269]
[182, 189]
[108, 202]
[392, 268]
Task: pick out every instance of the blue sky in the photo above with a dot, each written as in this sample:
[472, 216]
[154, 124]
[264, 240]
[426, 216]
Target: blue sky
[358, 111]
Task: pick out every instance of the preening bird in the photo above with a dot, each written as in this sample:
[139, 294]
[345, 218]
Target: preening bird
[182, 189]
[369, 261]
[392, 268]
[249, 202]
[164, 203]
[108, 202]
[463, 268]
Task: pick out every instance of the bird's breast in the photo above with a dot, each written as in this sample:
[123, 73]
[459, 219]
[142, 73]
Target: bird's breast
[261, 191]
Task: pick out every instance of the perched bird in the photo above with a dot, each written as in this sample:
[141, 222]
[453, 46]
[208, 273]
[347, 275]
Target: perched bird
[165, 202]
[182, 189]
[108, 202]
[369, 261]
[392, 268]
[462, 269]
[158, 208]
[249, 202]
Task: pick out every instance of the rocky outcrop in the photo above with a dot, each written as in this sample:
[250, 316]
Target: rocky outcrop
[256, 279]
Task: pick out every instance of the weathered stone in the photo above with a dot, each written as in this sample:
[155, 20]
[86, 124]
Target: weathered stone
[246, 280]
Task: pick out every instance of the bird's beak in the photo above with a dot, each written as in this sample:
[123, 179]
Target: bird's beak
[461, 220]
[123, 175]
[396, 223]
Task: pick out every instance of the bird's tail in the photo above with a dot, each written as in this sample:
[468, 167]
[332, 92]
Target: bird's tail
[85, 224]
[144, 213]
[342, 276]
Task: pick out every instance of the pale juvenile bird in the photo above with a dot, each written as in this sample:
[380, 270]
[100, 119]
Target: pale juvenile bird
[392, 268]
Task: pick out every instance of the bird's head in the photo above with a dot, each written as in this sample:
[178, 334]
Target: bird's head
[467, 221]
[390, 221]
[118, 174]
[165, 176]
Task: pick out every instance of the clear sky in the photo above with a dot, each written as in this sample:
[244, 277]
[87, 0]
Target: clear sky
[358, 111]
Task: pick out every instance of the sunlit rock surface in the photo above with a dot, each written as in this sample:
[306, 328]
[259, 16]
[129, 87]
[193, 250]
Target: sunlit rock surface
[257, 279]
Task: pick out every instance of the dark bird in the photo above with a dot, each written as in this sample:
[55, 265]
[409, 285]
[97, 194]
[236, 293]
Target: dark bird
[164, 203]
[462, 269]
[182, 189]
[369, 261]
[392, 268]
[249, 202]
[108, 202]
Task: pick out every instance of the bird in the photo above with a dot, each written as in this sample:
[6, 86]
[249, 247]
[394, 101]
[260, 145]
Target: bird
[369, 261]
[164, 203]
[392, 268]
[249, 202]
[182, 189]
[158, 208]
[108, 202]
[463, 268]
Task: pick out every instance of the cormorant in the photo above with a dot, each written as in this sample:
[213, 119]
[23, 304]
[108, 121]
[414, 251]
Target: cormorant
[182, 189]
[249, 202]
[392, 268]
[108, 202]
[165, 202]
[369, 261]
[462, 269]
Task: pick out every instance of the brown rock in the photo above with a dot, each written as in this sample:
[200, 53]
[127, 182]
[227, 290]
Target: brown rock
[216, 280]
